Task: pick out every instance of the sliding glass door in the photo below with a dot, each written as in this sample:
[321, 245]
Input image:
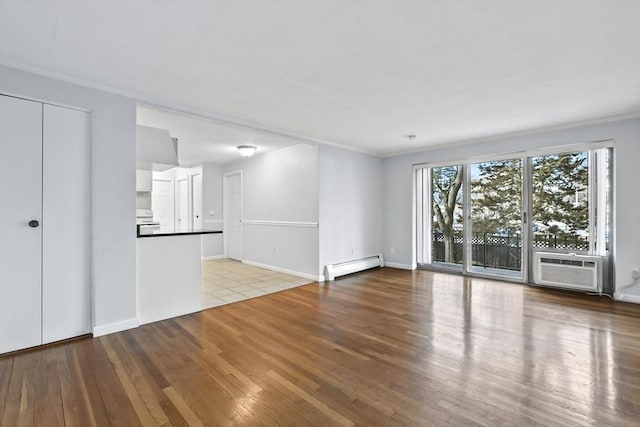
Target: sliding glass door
[489, 217]
[496, 218]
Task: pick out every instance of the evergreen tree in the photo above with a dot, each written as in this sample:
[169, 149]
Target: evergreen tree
[496, 195]
[559, 190]
[560, 184]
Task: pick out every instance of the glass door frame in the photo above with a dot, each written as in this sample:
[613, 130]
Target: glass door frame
[524, 215]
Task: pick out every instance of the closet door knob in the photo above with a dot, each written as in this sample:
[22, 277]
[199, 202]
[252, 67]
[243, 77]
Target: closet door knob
[34, 224]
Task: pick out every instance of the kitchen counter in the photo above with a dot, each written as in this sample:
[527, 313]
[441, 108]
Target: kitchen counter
[172, 232]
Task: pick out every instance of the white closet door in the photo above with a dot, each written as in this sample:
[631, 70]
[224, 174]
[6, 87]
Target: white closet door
[66, 274]
[162, 203]
[233, 218]
[196, 187]
[20, 244]
[182, 205]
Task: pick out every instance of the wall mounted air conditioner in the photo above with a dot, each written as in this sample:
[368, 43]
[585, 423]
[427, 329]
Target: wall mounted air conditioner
[331, 271]
[568, 271]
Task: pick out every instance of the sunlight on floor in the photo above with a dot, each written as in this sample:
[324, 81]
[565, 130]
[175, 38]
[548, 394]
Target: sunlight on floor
[225, 281]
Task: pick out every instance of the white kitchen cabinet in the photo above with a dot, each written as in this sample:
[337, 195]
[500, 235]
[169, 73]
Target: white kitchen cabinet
[144, 180]
[45, 216]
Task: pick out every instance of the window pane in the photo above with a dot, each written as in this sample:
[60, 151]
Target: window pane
[560, 186]
[446, 206]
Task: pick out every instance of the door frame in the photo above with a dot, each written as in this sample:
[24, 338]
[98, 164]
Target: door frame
[525, 196]
[225, 216]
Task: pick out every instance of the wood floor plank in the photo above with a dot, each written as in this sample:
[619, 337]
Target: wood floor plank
[184, 409]
[385, 347]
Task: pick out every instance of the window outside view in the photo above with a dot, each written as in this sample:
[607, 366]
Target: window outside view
[559, 194]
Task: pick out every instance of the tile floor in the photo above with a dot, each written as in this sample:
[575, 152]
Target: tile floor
[225, 281]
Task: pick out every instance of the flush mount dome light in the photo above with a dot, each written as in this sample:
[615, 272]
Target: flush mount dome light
[247, 150]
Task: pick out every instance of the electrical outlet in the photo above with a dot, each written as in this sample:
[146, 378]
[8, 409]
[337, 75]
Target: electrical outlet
[635, 273]
[392, 251]
[273, 250]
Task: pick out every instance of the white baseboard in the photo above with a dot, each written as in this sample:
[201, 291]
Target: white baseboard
[285, 271]
[210, 258]
[627, 298]
[110, 328]
[400, 266]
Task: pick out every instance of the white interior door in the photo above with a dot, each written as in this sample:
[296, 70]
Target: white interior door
[233, 215]
[66, 222]
[196, 186]
[162, 203]
[20, 244]
[182, 204]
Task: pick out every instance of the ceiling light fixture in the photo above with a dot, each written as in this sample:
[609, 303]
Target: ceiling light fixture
[247, 150]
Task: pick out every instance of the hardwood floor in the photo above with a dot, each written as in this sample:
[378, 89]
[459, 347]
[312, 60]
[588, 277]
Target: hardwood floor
[382, 348]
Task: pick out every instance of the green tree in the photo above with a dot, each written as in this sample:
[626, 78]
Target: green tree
[560, 184]
[496, 194]
[446, 182]
[559, 192]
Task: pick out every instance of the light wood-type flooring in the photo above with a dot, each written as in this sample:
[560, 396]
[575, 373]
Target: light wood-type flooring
[381, 348]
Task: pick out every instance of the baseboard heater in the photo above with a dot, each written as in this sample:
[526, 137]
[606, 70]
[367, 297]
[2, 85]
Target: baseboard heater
[568, 271]
[331, 271]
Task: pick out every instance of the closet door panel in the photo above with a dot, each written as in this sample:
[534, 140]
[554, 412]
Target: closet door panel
[66, 273]
[20, 244]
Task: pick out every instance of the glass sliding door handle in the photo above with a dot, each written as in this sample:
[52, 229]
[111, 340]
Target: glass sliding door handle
[34, 224]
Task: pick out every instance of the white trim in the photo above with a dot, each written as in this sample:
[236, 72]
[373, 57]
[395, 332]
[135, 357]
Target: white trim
[285, 271]
[556, 149]
[144, 100]
[212, 257]
[635, 299]
[280, 223]
[517, 134]
[399, 266]
[110, 328]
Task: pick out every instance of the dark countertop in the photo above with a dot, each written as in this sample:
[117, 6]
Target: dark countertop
[171, 232]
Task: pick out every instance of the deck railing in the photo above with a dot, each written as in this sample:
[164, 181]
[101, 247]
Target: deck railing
[503, 251]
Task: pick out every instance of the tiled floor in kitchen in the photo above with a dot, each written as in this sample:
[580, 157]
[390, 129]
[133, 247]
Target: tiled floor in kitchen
[225, 281]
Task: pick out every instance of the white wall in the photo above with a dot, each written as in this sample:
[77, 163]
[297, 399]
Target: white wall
[351, 205]
[113, 165]
[280, 196]
[398, 213]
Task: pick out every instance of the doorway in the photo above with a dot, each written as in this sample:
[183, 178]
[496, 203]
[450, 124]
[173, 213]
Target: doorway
[162, 203]
[495, 218]
[182, 204]
[232, 203]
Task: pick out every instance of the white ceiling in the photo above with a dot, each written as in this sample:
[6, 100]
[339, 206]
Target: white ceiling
[362, 74]
[204, 141]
